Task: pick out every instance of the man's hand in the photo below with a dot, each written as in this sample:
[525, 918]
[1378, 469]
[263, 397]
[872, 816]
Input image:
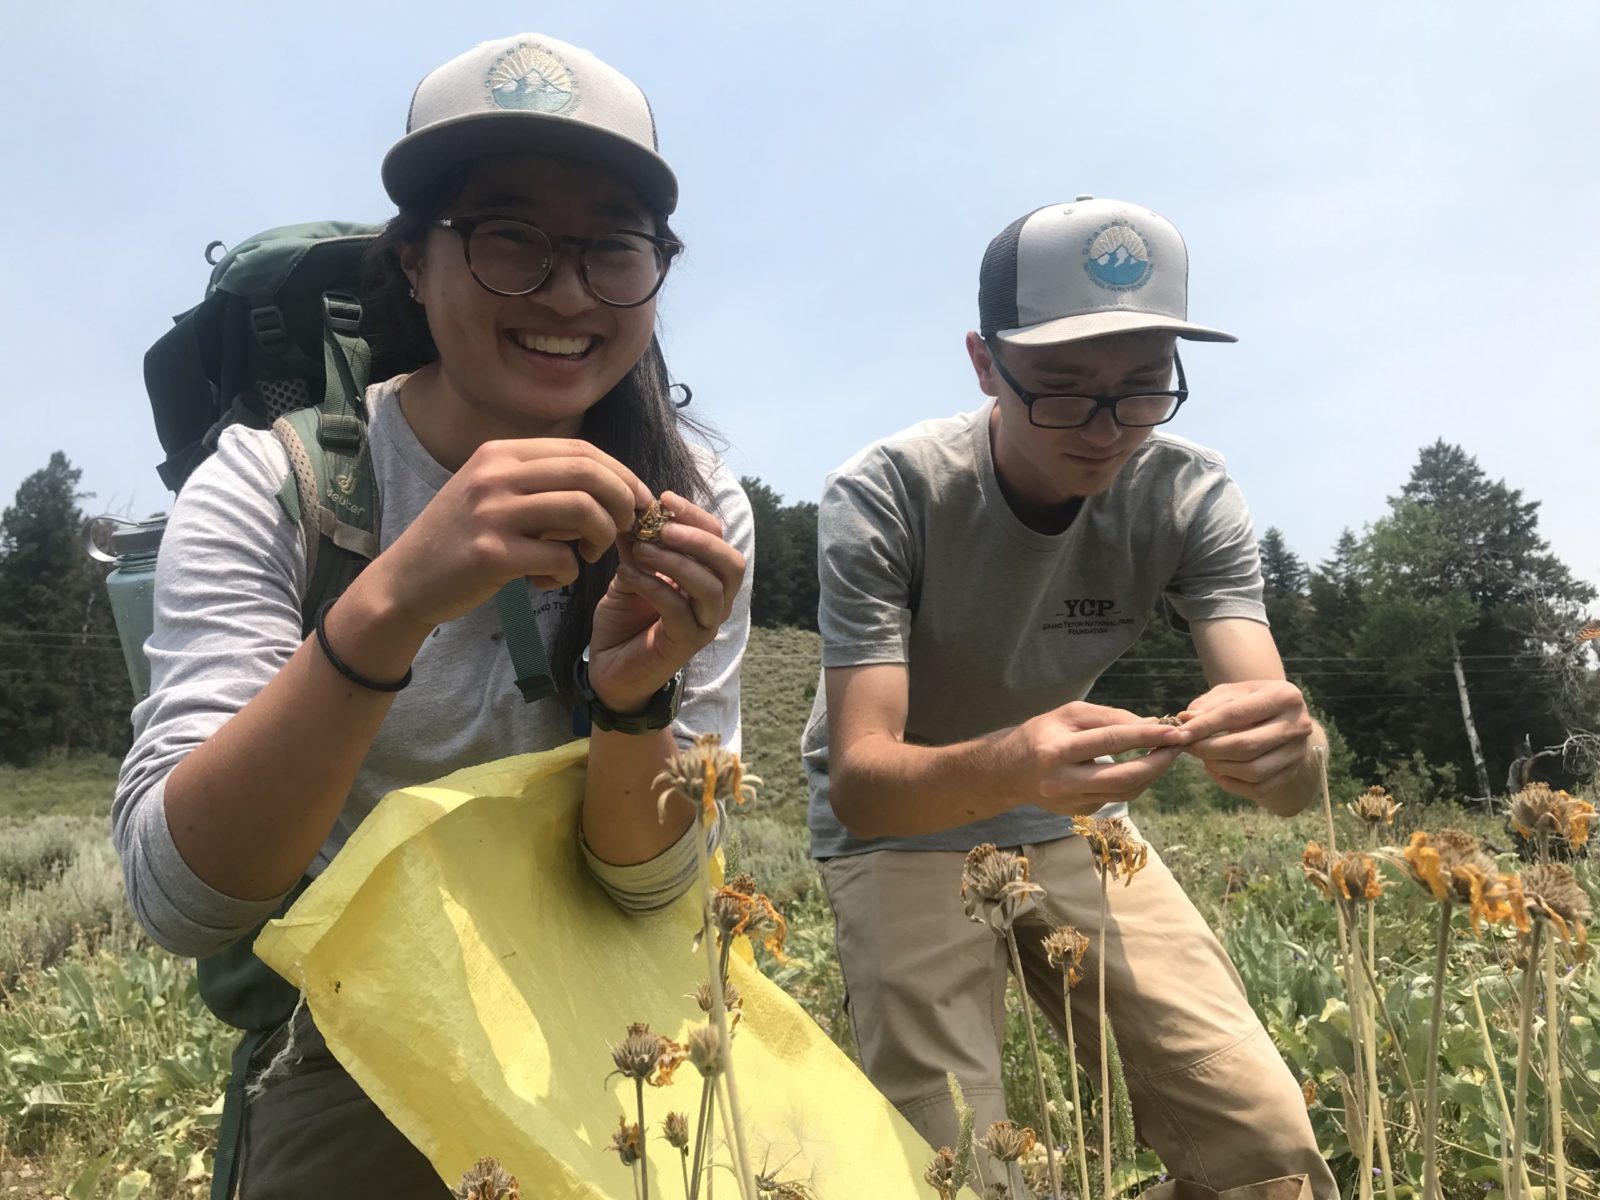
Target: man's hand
[1061, 747]
[1256, 739]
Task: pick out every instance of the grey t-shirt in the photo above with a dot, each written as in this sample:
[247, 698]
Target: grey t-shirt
[227, 618]
[923, 562]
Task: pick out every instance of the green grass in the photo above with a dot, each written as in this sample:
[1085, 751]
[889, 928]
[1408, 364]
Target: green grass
[66, 785]
[110, 1068]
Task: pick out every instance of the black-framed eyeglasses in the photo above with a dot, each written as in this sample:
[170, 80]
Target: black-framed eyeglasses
[1133, 410]
[624, 268]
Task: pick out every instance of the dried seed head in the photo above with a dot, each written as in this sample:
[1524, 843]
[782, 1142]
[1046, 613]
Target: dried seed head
[1308, 1089]
[941, 1173]
[628, 1142]
[703, 774]
[1117, 851]
[740, 908]
[1552, 894]
[487, 1180]
[676, 1130]
[1064, 949]
[705, 1049]
[1538, 811]
[1169, 719]
[649, 521]
[1589, 632]
[1006, 1142]
[1375, 806]
[732, 1000]
[995, 887]
[652, 1057]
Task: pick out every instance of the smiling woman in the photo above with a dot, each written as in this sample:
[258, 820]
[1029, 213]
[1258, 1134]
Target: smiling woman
[522, 421]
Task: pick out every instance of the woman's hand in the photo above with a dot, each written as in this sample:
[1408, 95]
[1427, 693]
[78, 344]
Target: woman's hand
[667, 601]
[527, 507]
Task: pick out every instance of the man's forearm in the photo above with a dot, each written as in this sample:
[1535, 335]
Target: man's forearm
[1302, 787]
[883, 787]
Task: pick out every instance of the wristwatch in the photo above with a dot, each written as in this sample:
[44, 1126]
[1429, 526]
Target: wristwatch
[657, 713]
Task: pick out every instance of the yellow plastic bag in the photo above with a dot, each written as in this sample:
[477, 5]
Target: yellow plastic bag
[470, 974]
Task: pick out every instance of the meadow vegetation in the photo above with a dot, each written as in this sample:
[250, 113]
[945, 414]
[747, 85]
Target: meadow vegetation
[111, 1070]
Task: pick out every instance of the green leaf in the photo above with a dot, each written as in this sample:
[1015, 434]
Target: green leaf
[87, 1185]
[131, 1185]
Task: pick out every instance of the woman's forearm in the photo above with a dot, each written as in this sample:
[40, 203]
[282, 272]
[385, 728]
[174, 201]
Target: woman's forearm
[250, 807]
[620, 821]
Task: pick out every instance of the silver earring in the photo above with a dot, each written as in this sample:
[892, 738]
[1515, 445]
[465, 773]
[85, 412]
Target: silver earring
[412, 292]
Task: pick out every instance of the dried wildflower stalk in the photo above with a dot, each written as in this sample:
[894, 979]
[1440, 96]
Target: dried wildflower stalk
[675, 1132]
[1115, 850]
[1064, 950]
[1553, 900]
[702, 775]
[995, 889]
[1455, 870]
[646, 1057]
[1333, 874]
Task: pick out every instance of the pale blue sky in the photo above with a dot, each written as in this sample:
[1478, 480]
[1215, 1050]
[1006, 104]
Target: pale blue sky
[1396, 207]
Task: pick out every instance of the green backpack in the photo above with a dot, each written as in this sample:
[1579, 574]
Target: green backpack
[276, 344]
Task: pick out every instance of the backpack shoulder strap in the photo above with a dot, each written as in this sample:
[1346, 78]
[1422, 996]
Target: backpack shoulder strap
[332, 492]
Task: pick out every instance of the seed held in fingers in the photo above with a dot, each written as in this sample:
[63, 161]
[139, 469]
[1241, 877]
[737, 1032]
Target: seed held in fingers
[650, 521]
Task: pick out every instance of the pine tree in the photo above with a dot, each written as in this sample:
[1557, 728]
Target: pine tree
[61, 677]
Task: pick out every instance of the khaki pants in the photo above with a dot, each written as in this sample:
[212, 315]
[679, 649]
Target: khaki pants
[926, 995]
[314, 1132]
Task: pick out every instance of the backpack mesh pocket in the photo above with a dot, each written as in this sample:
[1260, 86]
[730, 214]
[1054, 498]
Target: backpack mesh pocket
[283, 395]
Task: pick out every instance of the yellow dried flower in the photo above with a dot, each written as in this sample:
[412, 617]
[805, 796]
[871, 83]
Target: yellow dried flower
[995, 886]
[739, 908]
[628, 1142]
[1551, 893]
[1064, 949]
[675, 1129]
[941, 1173]
[1356, 876]
[1116, 849]
[1375, 806]
[704, 773]
[487, 1180]
[651, 1057]
[1006, 1142]
[1308, 1089]
[1455, 869]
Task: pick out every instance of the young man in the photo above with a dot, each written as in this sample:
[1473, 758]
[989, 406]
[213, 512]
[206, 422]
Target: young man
[978, 575]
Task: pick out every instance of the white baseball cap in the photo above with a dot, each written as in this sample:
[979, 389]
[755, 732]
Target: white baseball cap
[1066, 272]
[528, 94]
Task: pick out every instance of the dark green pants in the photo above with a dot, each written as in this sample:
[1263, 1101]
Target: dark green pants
[313, 1132]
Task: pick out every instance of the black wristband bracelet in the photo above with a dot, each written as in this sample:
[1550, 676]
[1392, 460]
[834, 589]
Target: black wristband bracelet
[339, 664]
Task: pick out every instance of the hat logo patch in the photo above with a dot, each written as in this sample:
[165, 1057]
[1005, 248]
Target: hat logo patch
[531, 79]
[1117, 258]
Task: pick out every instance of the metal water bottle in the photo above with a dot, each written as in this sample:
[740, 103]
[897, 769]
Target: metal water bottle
[131, 546]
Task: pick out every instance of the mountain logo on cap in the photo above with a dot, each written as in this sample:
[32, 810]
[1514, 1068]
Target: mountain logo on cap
[530, 78]
[1116, 258]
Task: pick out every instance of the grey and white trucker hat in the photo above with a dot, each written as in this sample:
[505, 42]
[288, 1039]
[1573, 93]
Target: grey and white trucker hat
[1067, 272]
[528, 94]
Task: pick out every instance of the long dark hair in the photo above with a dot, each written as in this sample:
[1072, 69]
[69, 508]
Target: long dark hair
[635, 422]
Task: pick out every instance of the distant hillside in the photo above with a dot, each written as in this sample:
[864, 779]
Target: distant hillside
[779, 681]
